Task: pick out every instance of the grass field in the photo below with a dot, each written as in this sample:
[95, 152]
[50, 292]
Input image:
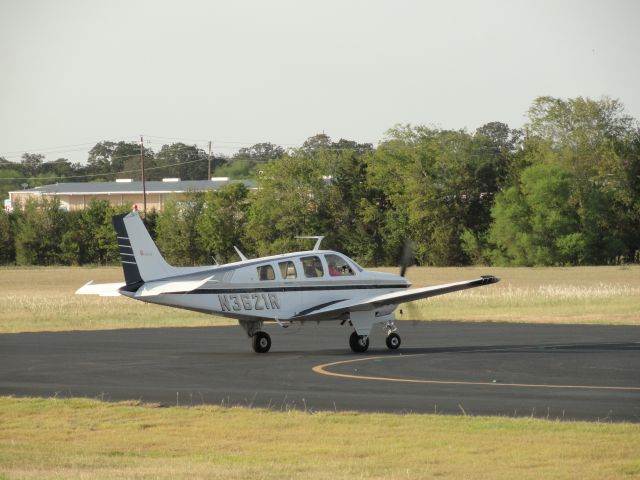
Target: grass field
[48, 438]
[82, 438]
[34, 299]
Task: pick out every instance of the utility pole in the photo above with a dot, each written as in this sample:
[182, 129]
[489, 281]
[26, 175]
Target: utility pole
[144, 185]
[209, 171]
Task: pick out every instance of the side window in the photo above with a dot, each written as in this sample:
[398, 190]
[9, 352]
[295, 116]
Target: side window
[265, 272]
[312, 267]
[338, 267]
[287, 270]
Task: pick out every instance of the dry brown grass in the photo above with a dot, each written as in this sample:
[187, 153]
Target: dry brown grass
[37, 299]
[42, 438]
[33, 299]
[602, 295]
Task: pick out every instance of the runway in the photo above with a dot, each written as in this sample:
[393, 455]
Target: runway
[551, 371]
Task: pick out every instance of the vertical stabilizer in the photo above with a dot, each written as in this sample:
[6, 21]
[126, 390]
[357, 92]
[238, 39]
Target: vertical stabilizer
[141, 259]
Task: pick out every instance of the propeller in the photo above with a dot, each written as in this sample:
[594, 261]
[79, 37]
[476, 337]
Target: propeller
[406, 257]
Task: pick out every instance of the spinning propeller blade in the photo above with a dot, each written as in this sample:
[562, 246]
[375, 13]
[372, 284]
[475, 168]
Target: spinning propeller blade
[406, 258]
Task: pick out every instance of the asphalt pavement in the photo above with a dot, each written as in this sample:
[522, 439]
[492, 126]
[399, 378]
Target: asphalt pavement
[551, 371]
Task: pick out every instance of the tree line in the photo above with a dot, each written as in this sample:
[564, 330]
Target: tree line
[563, 190]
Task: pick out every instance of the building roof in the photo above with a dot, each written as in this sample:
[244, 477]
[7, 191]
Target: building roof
[132, 187]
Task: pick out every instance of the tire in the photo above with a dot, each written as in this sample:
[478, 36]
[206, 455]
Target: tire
[261, 342]
[358, 343]
[393, 341]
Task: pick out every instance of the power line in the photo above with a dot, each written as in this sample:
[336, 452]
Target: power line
[55, 149]
[89, 175]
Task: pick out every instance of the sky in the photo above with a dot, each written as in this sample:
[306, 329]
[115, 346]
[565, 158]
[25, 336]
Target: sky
[73, 73]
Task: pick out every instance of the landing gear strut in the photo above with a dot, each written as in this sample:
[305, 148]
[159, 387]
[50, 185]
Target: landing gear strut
[359, 343]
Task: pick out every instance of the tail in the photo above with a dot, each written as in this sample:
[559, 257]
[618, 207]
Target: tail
[141, 259]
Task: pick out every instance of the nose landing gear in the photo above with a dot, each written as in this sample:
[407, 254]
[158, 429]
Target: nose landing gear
[393, 341]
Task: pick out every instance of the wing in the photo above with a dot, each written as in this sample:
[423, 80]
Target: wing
[394, 298]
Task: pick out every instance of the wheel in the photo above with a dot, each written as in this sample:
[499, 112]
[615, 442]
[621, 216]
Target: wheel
[393, 341]
[261, 342]
[358, 343]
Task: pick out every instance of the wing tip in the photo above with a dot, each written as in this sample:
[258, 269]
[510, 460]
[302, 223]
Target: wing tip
[489, 279]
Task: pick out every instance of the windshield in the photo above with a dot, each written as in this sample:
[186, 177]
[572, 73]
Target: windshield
[338, 266]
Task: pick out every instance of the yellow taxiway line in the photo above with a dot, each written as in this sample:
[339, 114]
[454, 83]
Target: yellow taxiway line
[322, 370]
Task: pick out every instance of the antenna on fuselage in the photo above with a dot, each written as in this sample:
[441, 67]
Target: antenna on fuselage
[318, 239]
[240, 254]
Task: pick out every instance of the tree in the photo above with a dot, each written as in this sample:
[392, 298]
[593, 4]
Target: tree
[186, 162]
[244, 163]
[31, 163]
[7, 242]
[595, 140]
[110, 158]
[537, 223]
[436, 185]
[96, 236]
[316, 143]
[40, 227]
[99, 160]
[505, 144]
[222, 222]
[10, 179]
[129, 155]
[293, 199]
[60, 167]
[260, 152]
[177, 233]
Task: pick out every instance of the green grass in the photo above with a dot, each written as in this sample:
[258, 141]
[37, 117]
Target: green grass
[35, 299]
[47, 438]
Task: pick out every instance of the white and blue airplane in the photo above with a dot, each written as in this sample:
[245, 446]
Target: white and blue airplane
[315, 285]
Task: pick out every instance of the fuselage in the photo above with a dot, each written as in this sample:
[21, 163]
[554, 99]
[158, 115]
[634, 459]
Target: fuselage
[282, 287]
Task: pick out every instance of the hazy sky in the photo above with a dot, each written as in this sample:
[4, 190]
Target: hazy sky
[73, 73]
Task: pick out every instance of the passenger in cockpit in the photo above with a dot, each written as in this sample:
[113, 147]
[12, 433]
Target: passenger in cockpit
[333, 270]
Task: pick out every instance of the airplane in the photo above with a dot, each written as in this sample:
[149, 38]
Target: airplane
[314, 285]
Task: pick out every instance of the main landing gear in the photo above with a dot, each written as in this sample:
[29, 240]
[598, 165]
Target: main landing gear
[260, 341]
[360, 343]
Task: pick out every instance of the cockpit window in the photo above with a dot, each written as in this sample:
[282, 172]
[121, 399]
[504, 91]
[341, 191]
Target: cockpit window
[358, 267]
[338, 267]
[312, 267]
[265, 272]
[288, 270]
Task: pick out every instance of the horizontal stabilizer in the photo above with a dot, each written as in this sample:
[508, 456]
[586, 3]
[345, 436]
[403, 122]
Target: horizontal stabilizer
[102, 289]
[170, 286]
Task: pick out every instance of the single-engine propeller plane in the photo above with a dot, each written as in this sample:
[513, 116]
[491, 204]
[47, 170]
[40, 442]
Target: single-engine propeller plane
[314, 285]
